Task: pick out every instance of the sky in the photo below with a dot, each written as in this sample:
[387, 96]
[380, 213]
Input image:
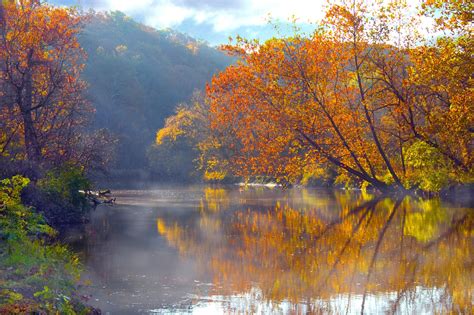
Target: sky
[213, 20]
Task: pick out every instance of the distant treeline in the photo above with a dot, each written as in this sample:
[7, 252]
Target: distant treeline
[138, 75]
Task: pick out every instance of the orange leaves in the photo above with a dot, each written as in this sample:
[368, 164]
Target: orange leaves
[283, 88]
[454, 15]
[346, 95]
[41, 61]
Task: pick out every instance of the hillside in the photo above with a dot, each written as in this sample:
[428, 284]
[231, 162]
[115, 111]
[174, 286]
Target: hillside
[137, 75]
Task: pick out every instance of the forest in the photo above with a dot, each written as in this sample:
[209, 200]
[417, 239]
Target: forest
[367, 100]
[363, 101]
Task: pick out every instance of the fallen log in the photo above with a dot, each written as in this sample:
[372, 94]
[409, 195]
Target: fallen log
[104, 193]
[98, 197]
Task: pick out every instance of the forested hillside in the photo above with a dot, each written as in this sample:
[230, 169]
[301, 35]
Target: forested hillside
[137, 75]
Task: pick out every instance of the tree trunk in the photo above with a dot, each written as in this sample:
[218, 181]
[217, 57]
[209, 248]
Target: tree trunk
[33, 149]
[381, 186]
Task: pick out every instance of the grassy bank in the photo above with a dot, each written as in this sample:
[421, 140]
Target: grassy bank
[37, 274]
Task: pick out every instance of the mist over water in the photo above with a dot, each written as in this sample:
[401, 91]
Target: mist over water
[207, 250]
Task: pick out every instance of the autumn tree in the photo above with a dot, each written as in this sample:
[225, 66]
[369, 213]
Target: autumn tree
[42, 103]
[356, 94]
[441, 105]
[186, 146]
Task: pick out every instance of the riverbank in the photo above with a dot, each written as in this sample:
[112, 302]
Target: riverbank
[460, 194]
[38, 274]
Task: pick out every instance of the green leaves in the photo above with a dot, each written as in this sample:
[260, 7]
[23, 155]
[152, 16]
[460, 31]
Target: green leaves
[27, 260]
[428, 168]
[10, 189]
[65, 182]
[18, 222]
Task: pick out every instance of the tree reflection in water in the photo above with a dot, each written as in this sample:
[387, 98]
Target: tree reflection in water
[410, 255]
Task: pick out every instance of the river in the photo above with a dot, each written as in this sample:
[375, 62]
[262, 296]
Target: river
[208, 250]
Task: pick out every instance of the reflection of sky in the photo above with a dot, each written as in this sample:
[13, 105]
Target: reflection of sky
[341, 304]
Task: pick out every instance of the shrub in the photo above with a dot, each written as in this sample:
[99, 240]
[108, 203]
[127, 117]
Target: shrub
[65, 183]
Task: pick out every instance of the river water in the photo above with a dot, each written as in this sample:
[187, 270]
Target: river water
[209, 250]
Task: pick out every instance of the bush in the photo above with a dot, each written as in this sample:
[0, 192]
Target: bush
[65, 183]
[57, 196]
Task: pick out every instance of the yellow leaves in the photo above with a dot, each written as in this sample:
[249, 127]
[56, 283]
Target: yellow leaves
[451, 15]
[214, 175]
[169, 134]
[175, 126]
[9, 36]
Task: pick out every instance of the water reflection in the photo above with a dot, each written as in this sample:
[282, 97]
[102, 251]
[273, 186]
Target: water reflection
[299, 252]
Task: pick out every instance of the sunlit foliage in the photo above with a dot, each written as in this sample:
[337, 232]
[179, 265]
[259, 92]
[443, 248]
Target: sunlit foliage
[361, 92]
[43, 110]
[187, 147]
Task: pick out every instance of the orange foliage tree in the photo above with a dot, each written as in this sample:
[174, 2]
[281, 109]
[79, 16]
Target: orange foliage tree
[41, 93]
[365, 92]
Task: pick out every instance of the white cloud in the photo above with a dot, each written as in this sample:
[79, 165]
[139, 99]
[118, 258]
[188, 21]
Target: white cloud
[166, 14]
[223, 15]
[218, 19]
[127, 6]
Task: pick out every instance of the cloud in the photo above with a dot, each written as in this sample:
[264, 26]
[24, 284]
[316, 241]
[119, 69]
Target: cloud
[212, 4]
[214, 20]
[222, 15]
